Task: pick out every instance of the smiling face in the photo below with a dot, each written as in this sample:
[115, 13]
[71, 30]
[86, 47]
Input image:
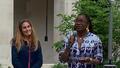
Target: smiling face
[81, 23]
[26, 29]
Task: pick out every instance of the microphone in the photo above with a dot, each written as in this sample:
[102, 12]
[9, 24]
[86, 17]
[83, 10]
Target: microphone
[74, 33]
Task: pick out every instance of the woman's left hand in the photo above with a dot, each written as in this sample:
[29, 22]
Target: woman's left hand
[87, 59]
[91, 60]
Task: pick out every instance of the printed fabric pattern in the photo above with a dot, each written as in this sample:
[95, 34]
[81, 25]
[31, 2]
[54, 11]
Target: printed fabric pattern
[91, 47]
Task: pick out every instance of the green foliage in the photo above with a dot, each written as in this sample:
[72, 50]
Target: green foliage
[59, 65]
[58, 45]
[67, 23]
[118, 64]
[0, 65]
[116, 22]
[116, 32]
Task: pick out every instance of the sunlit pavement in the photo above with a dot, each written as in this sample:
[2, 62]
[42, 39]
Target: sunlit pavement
[47, 65]
[44, 66]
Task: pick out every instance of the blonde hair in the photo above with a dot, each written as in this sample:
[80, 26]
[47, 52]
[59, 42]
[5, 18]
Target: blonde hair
[19, 37]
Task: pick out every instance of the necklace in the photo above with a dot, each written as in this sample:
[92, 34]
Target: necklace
[80, 40]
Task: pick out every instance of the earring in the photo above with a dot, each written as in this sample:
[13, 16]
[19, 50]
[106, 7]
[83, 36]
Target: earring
[87, 29]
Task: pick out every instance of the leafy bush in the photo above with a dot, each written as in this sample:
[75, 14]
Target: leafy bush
[0, 65]
[58, 45]
[59, 65]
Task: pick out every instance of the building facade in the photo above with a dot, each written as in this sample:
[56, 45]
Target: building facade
[11, 11]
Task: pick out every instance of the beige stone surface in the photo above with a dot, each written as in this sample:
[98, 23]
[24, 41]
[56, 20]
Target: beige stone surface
[47, 65]
[6, 30]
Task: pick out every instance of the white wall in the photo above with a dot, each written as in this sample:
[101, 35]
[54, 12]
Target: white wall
[59, 7]
[6, 31]
[69, 6]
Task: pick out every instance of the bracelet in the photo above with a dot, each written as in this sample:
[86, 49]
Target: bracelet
[91, 59]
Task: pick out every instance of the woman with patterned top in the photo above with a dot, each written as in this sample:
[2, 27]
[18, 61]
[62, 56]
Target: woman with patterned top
[82, 48]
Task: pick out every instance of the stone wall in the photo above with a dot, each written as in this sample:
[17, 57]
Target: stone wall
[6, 31]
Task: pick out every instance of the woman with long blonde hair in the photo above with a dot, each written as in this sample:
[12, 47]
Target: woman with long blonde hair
[26, 49]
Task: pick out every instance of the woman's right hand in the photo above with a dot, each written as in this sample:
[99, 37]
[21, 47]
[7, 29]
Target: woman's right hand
[71, 40]
[64, 56]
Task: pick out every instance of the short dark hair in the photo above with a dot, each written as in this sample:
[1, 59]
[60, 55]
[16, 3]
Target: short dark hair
[88, 21]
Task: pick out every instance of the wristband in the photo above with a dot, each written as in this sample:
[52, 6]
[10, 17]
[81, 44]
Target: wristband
[91, 59]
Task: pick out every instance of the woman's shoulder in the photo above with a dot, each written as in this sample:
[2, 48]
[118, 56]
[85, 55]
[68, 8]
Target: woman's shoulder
[93, 36]
[38, 43]
[12, 41]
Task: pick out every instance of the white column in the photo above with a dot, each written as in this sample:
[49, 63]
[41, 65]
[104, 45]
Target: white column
[6, 31]
[69, 6]
[63, 7]
[59, 6]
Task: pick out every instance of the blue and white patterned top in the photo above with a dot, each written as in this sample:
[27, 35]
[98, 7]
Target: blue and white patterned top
[91, 47]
